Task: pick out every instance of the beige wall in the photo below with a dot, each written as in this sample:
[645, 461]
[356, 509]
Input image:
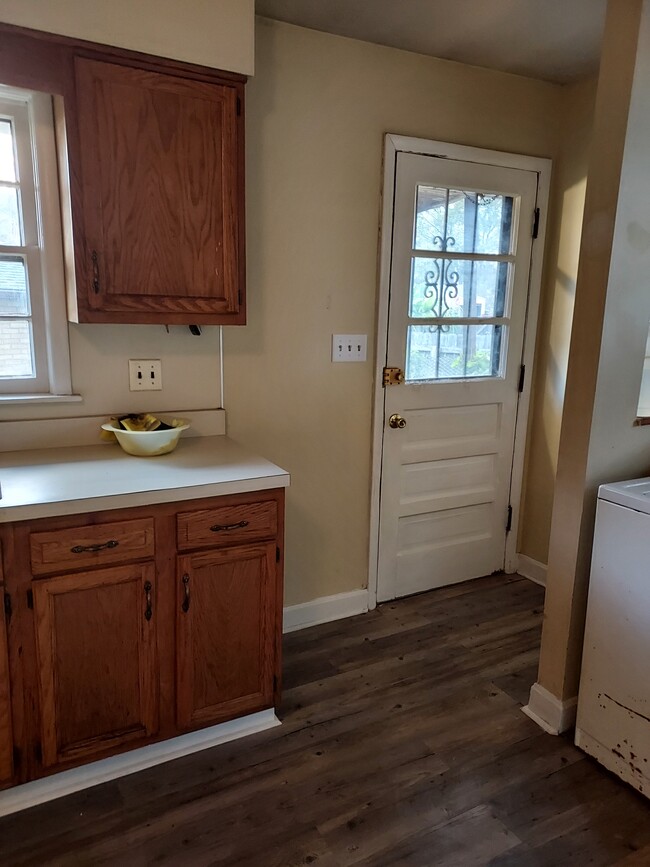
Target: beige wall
[216, 33]
[598, 442]
[556, 316]
[317, 112]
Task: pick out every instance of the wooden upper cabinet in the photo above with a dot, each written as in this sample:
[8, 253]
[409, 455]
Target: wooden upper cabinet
[160, 181]
[97, 664]
[225, 633]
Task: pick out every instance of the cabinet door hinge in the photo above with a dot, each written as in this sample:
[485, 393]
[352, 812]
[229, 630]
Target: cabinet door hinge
[239, 297]
[38, 752]
[509, 520]
[239, 106]
[16, 757]
[30, 599]
[535, 223]
[275, 683]
[7, 604]
[277, 554]
[522, 378]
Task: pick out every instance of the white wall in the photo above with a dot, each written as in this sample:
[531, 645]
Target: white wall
[217, 33]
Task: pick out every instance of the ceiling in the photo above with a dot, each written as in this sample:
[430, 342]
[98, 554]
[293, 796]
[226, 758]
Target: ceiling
[555, 40]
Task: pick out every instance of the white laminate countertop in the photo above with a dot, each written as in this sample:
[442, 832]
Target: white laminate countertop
[67, 481]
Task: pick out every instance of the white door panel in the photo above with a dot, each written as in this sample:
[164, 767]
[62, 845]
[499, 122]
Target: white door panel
[458, 298]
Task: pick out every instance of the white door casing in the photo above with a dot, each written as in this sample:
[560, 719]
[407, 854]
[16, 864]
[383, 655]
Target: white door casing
[442, 484]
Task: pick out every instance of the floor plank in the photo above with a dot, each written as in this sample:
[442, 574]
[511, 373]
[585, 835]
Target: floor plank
[403, 743]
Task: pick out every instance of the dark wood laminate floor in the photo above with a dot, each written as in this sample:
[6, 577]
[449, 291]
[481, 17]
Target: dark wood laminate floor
[403, 743]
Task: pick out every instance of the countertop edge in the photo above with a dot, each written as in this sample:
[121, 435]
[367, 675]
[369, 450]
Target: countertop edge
[106, 503]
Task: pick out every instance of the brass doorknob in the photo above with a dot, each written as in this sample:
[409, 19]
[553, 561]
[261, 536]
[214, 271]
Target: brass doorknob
[396, 421]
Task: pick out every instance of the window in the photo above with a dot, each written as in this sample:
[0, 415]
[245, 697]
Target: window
[34, 355]
[461, 283]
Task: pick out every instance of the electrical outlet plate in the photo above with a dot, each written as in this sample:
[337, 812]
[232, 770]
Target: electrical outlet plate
[349, 347]
[145, 374]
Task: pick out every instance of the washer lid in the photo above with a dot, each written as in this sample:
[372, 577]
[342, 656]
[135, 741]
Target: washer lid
[634, 494]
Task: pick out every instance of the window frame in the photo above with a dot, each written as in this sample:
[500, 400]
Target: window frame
[32, 114]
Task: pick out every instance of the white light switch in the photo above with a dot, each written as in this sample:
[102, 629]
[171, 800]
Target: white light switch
[349, 347]
[145, 374]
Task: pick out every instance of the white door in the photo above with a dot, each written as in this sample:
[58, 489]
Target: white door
[461, 250]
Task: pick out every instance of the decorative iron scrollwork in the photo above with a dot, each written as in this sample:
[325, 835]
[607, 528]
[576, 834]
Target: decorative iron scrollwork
[441, 284]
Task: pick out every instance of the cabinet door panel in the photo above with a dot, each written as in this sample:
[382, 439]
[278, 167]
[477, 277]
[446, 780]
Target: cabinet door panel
[97, 660]
[226, 619]
[6, 740]
[161, 193]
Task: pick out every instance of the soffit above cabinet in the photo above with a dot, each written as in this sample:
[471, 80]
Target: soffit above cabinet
[216, 34]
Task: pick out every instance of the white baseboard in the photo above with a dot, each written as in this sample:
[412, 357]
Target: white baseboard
[549, 712]
[67, 782]
[532, 569]
[325, 609]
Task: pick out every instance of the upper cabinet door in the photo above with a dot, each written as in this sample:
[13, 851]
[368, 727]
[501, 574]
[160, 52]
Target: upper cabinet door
[161, 196]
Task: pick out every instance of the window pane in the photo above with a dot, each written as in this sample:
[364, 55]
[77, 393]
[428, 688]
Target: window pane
[14, 292]
[10, 227]
[7, 154]
[458, 288]
[463, 221]
[16, 352]
[454, 351]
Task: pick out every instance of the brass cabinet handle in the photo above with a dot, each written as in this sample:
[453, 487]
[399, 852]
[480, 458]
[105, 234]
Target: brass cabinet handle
[217, 528]
[147, 595]
[186, 593]
[92, 549]
[396, 421]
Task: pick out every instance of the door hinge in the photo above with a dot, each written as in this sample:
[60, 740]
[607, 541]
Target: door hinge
[239, 297]
[16, 758]
[239, 106]
[277, 554]
[38, 752]
[392, 376]
[509, 520]
[7, 604]
[535, 223]
[522, 378]
[30, 599]
[275, 683]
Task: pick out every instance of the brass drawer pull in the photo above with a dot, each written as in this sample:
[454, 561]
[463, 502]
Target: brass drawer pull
[217, 528]
[147, 595]
[92, 549]
[186, 593]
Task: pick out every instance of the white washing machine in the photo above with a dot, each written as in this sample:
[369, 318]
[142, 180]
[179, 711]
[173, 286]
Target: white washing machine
[613, 723]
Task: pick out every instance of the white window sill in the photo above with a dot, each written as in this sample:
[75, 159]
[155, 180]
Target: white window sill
[22, 399]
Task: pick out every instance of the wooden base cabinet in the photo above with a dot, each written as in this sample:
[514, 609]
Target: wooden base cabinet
[225, 634]
[96, 652]
[131, 626]
[6, 743]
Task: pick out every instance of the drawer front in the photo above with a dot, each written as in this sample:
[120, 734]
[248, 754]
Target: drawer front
[95, 545]
[246, 522]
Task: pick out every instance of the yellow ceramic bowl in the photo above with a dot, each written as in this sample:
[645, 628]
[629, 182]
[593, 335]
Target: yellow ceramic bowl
[147, 443]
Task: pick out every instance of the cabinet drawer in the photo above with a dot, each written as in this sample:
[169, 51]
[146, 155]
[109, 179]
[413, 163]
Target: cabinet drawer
[95, 545]
[245, 522]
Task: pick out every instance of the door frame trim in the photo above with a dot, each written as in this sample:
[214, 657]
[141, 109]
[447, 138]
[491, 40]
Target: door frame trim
[394, 144]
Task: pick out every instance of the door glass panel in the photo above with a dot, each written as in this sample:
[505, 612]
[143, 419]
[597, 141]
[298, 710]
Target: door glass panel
[16, 349]
[458, 288]
[14, 293]
[463, 221]
[454, 351]
[10, 225]
[7, 152]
